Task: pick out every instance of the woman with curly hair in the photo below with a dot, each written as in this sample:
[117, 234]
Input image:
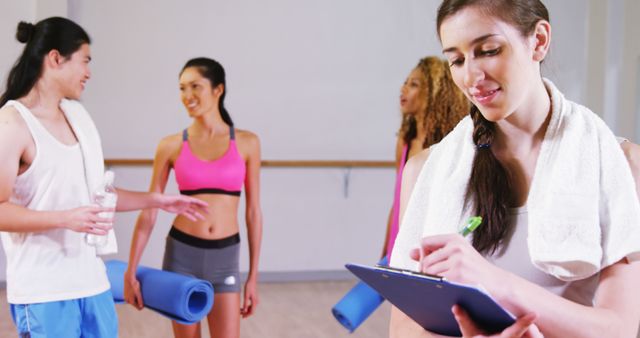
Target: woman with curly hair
[431, 106]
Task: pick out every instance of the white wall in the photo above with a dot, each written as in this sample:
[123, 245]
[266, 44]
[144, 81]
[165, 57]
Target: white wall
[48, 8]
[614, 67]
[318, 81]
[11, 13]
[630, 72]
[297, 73]
[566, 64]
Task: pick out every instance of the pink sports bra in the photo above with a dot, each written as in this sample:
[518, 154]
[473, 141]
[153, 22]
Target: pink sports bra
[224, 175]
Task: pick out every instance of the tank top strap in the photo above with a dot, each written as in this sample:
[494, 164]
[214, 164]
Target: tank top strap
[34, 125]
[26, 114]
[185, 135]
[405, 154]
[232, 133]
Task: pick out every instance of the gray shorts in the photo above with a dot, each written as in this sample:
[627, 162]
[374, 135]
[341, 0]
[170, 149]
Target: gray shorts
[216, 261]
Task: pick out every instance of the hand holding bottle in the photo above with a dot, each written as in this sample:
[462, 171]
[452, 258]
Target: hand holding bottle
[105, 197]
[87, 219]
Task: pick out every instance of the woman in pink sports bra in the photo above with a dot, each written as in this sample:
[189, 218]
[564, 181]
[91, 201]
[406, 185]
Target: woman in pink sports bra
[431, 106]
[211, 161]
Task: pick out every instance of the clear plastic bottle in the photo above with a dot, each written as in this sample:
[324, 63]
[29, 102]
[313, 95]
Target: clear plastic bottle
[105, 196]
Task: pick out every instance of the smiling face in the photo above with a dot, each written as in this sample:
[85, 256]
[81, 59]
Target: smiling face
[412, 93]
[196, 92]
[493, 64]
[74, 72]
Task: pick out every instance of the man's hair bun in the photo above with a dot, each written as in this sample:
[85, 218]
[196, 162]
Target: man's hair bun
[25, 31]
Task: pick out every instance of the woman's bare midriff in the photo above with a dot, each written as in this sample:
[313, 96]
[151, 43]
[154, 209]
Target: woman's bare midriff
[220, 222]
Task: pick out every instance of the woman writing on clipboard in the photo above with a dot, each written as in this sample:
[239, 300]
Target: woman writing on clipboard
[560, 239]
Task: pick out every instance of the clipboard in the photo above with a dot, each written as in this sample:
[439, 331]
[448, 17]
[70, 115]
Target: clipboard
[428, 299]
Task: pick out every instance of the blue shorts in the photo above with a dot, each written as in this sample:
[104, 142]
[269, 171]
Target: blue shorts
[87, 317]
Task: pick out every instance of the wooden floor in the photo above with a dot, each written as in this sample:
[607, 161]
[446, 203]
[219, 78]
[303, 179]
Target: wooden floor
[286, 310]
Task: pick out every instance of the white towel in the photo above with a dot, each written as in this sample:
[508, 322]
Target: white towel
[583, 208]
[89, 139]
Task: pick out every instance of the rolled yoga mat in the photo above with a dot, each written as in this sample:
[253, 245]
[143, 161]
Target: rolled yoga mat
[357, 305]
[181, 298]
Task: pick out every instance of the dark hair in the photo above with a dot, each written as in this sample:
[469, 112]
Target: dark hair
[490, 188]
[445, 104]
[53, 33]
[524, 15]
[213, 71]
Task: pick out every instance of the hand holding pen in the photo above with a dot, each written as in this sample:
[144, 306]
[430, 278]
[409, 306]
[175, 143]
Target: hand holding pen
[472, 224]
[452, 256]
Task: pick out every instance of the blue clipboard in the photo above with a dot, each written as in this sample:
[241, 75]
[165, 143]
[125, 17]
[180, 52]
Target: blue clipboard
[428, 299]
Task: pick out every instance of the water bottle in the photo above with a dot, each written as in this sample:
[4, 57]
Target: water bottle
[107, 197]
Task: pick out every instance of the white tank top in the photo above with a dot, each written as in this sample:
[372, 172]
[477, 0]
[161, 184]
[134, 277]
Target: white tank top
[56, 264]
[513, 255]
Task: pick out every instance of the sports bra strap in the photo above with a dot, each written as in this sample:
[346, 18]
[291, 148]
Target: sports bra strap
[232, 134]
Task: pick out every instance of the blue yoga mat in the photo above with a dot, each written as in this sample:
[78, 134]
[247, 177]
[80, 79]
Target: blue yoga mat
[181, 298]
[357, 305]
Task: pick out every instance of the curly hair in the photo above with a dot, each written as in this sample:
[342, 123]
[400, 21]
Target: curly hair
[445, 105]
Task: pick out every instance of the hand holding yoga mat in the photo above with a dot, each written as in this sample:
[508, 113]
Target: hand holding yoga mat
[358, 304]
[181, 298]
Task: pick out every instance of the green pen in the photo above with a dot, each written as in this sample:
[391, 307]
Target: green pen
[472, 224]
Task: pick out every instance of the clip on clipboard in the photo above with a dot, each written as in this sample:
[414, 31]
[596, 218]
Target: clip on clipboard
[428, 299]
